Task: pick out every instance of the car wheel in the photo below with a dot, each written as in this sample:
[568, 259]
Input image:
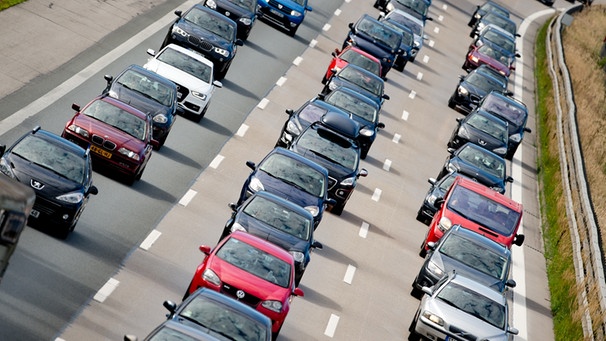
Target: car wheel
[298, 278]
[422, 252]
[161, 142]
[363, 154]
[324, 80]
[293, 31]
[198, 118]
[413, 336]
[421, 217]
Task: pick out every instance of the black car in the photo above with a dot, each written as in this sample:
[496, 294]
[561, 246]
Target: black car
[172, 330]
[376, 38]
[470, 254]
[278, 221]
[436, 192]
[415, 24]
[482, 128]
[310, 112]
[148, 92]
[485, 8]
[220, 316]
[362, 109]
[473, 87]
[291, 176]
[493, 18]
[332, 144]
[363, 81]
[59, 171]
[407, 45]
[208, 32]
[511, 110]
[243, 12]
[479, 164]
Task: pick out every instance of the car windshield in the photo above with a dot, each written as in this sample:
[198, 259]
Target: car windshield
[212, 23]
[311, 113]
[483, 210]
[256, 262]
[186, 64]
[300, 2]
[353, 105]
[356, 58]
[295, 173]
[279, 217]
[250, 5]
[474, 255]
[488, 125]
[329, 146]
[408, 38]
[414, 25]
[484, 82]
[495, 53]
[474, 304]
[221, 319]
[118, 118]
[490, 7]
[380, 33]
[514, 112]
[482, 160]
[373, 85]
[505, 23]
[166, 333]
[447, 181]
[150, 88]
[419, 7]
[53, 157]
[500, 40]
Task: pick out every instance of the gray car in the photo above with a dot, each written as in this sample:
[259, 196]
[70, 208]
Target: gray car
[460, 308]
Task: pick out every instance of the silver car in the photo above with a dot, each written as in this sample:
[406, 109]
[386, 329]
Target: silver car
[458, 308]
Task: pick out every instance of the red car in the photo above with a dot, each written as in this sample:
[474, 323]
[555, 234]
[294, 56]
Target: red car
[250, 270]
[119, 136]
[354, 55]
[491, 55]
[478, 208]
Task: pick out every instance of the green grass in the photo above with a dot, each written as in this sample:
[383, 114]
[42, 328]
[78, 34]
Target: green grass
[4, 4]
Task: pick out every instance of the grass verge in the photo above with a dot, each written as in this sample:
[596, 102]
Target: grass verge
[4, 4]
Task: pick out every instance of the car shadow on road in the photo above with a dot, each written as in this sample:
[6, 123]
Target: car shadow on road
[216, 127]
[260, 49]
[227, 84]
[176, 156]
[317, 298]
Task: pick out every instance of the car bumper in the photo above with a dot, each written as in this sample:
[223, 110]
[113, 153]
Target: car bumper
[51, 212]
[193, 104]
[278, 17]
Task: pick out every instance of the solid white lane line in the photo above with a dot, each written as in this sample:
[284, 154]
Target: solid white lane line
[364, 230]
[150, 239]
[241, 131]
[387, 165]
[376, 195]
[106, 290]
[263, 103]
[349, 274]
[331, 327]
[281, 81]
[187, 197]
[216, 161]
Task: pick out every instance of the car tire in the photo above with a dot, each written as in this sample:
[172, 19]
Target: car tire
[421, 217]
[298, 278]
[415, 292]
[399, 67]
[363, 154]
[324, 80]
[293, 31]
[451, 103]
[422, 251]
[413, 336]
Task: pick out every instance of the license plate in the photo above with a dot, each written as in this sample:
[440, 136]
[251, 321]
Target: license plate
[101, 151]
[277, 13]
[34, 213]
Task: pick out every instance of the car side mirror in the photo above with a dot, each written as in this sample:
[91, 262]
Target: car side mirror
[461, 77]
[298, 292]
[170, 306]
[363, 173]
[336, 52]
[92, 190]
[385, 96]
[351, 26]
[308, 8]
[432, 181]
[289, 112]
[233, 206]
[509, 179]
[381, 15]
[178, 13]
[512, 331]
[519, 239]
[427, 290]
[75, 107]
[239, 42]
[317, 245]
[528, 130]
[108, 78]
[151, 52]
[429, 19]
[431, 245]
[331, 202]
[217, 84]
[518, 55]
[381, 125]
[130, 337]
[251, 165]
[450, 150]
[438, 203]
[510, 283]
[509, 93]
[205, 249]
[459, 119]
[2, 149]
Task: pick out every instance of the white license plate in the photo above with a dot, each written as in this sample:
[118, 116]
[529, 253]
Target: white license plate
[34, 213]
[276, 13]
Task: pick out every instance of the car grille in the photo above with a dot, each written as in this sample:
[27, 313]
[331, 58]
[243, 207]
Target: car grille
[248, 299]
[202, 44]
[475, 99]
[462, 334]
[182, 92]
[107, 144]
[331, 182]
[280, 6]
[45, 206]
[232, 16]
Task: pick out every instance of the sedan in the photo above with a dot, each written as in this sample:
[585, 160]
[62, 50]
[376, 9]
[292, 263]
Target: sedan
[354, 77]
[473, 87]
[477, 163]
[467, 253]
[192, 73]
[208, 32]
[292, 177]
[482, 128]
[407, 44]
[511, 110]
[119, 135]
[457, 306]
[497, 36]
[251, 270]
[278, 221]
[487, 7]
[243, 12]
[491, 55]
[60, 173]
[353, 55]
[148, 92]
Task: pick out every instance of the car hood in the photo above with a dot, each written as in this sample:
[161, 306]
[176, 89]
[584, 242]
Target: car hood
[495, 64]
[477, 90]
[490, 142]
[205, 34]
[449, 264]
[284, 190]
[282, 239]
[117, 136]
[139, 101]
[180, 77]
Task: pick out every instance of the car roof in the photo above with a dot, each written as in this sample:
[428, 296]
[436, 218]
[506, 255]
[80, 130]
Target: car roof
[192, 332]
[157, 77]
[214, 13]
[283, 202]
[263, 245]
[191, 53]
[487, 192]
[299, 158]
[121, 105]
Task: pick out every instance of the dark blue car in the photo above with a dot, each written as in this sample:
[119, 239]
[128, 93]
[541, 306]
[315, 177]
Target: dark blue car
[407, 44]
[243, 12]
[288, 14]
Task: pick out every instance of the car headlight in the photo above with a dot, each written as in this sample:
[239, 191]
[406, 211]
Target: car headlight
[432, 199]
[348, 182]
[255, 185]
[160, 118]
[129, 153]
[79, 130]
[433, 317]
[477, 16]
[72, 198]
[237, 227]
[180, 31]
[496, 188]
[463, 133]
[417, 43]
[297, 256]
[462, 91]
[211, 4]
[272, 305]
[474, 59]
[211, 277]
[444, 224]
[332, 86]
[451, 168]
[222, 52]
[435, 269]
[293, 128]
[516, 138]
[390, 7]
[245, 21]
[314, 210]
[365, 131]
[295, 13]
[500, 150]
[6, 169]
[199, 95]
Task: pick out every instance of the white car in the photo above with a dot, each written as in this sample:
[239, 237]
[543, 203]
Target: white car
[192, 73]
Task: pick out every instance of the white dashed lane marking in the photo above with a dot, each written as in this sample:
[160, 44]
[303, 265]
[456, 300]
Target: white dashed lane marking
[405, 115]
[331, 327]
[281, 81]
[106, 290]
[242, 130]
[349, 274]
[364, 230]
[297, 61]
[396, 138]
[263, 103]
[216, 161]
[150, 239]
[326, 27]
[412, 94]
[376, 195]
[425, 59]
[387, 165]
[187, 197]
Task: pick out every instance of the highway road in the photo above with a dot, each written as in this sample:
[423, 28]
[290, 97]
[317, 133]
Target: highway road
[137, 246]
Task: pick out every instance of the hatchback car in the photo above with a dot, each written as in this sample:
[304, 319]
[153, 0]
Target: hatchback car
[293, 177]
[491, 55]
[192, 73]
[478, 208]
[376, 38]
[251, 270]
[353, 55]
[461, 306]
[434, 196]
[278, 221]
[485, 8]
[352, 76]
[331, 143]
[513, 111]
[288, 14]
[149, 92]
[496, 19]
[243, 12]
[467, 253]
[210, 33]
[479, 164]
[220, 316]
[60, 173]
[482, 128]
[119, 135]
[415, 24]
[472, 87]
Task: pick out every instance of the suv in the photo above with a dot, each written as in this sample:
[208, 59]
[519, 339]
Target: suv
[285, 13]
[332, 144]
[209, 32]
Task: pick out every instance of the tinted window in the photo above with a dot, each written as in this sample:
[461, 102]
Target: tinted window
[186, 64]
[370, 84]
[295, 172]
[166, 333]
[500, 40]
[353, 105]
[487, 162]
[211, 22]
[512, 111]
[329, 146]
[474, 304]
[279, 217]
[484, 82]
[151, 88]
[474, 255]
[380, 33]
[118, 118]
[361, 60]
[495, 53]
[488, 125]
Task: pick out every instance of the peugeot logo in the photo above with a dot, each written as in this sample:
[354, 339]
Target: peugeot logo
[240, 294]
[482, 143]
[226, 13]
[36, 184]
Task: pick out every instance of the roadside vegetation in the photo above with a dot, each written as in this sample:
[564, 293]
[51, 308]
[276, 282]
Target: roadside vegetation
[4, 4]
[582, 43]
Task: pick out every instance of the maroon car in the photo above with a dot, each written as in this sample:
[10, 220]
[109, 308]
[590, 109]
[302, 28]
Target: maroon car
[490, 55]
[119, 135]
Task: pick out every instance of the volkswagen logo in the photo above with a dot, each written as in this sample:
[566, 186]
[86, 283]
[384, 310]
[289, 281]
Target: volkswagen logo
[280, 6]
[227, 13]
[482, 143]
[36, 184]
[240, 294]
